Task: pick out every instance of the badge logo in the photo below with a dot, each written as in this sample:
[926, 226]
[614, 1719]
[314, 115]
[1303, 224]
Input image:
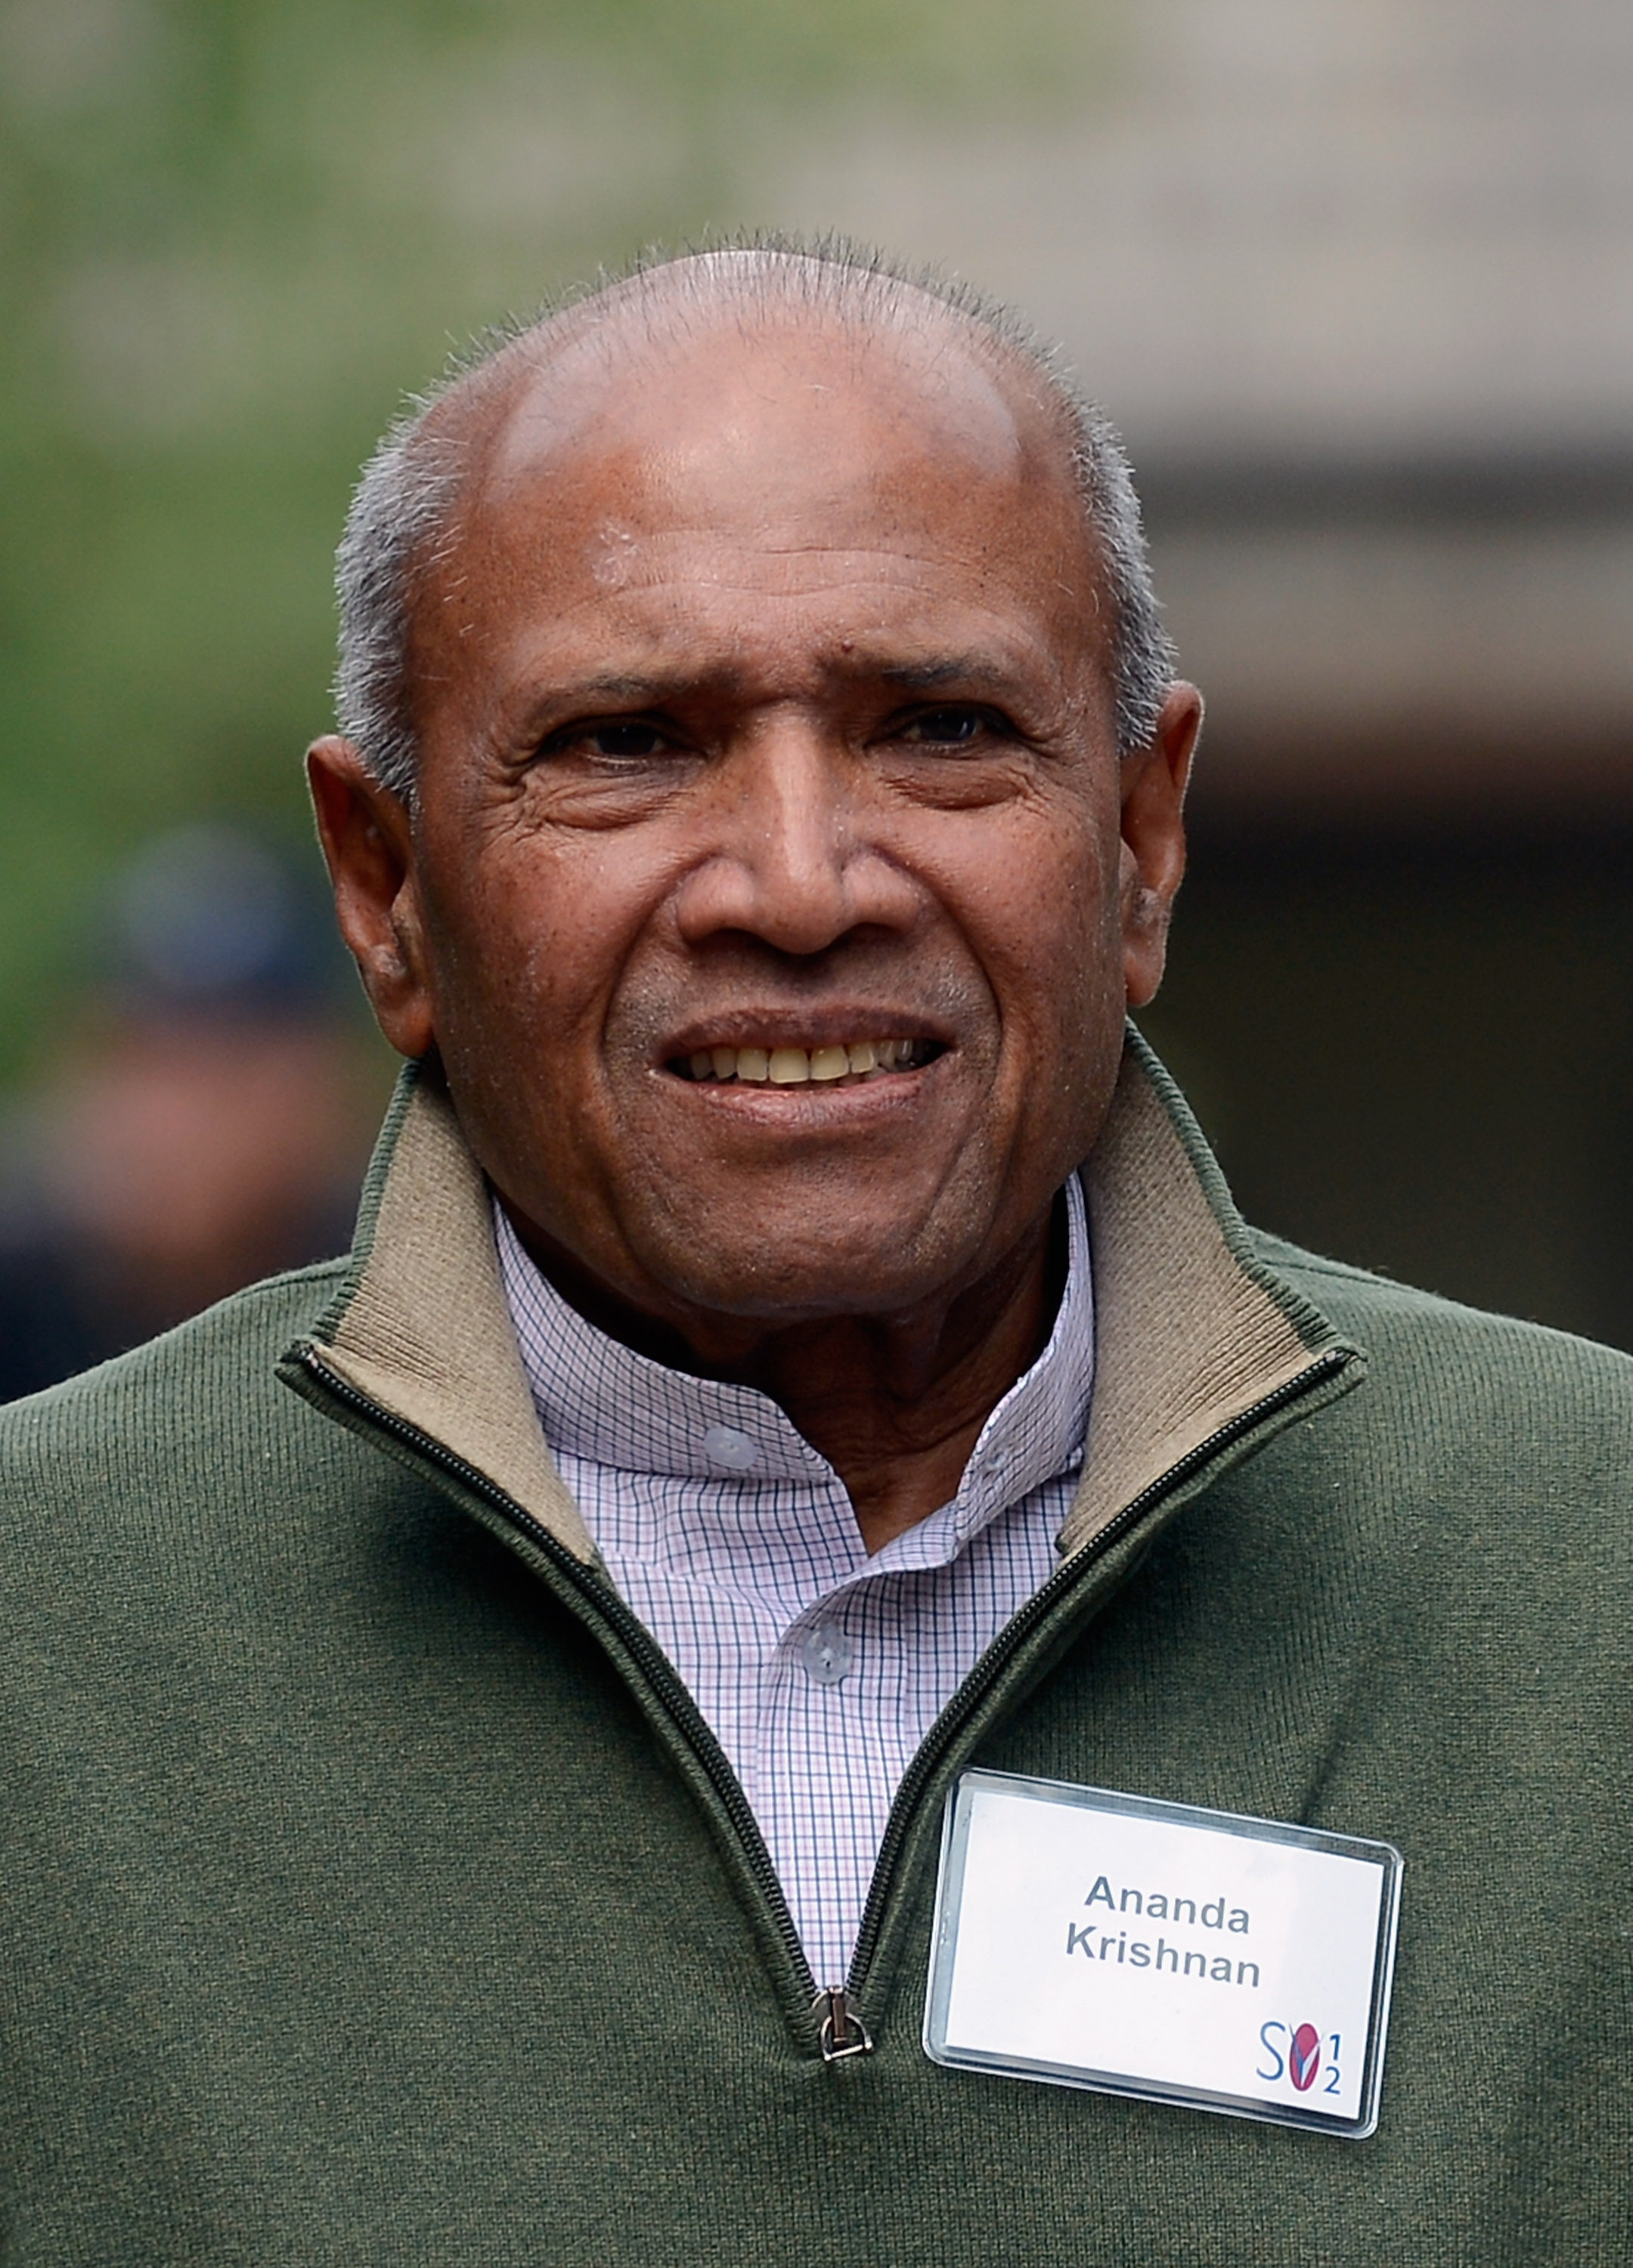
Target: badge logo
[1295, 2054]
[1304, 2057]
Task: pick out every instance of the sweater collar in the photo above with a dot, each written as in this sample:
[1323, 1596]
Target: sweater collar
[1192, 1330]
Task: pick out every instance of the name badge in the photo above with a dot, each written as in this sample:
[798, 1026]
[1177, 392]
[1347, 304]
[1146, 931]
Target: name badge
[1154, 1949]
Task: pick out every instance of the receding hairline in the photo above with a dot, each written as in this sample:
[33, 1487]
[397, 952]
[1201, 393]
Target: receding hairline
[671, 304]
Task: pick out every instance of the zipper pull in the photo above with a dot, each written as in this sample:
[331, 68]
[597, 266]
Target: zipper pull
[841, 2030]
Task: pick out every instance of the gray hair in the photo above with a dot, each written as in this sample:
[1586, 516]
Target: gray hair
[401, 525]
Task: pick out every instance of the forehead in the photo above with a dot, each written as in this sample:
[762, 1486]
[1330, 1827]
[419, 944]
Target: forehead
[718, 385]
[754, 460]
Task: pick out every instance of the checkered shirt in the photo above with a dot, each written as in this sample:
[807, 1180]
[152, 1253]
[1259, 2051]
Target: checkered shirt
[819, 1669]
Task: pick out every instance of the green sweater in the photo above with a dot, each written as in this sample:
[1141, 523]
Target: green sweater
[373, 1895]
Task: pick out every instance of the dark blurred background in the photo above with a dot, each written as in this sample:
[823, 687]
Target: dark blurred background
[1355, 280]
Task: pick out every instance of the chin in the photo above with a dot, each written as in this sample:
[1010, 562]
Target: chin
[812, 1287]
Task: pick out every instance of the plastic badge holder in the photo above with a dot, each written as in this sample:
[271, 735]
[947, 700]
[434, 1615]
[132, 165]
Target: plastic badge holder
[1093, 1940]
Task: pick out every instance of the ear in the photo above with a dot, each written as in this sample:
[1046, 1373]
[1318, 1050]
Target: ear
[368, 840]
[1154, 780]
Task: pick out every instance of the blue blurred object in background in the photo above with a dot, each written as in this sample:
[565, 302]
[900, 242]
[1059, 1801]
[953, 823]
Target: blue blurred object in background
[209, 920]
[203, 1122]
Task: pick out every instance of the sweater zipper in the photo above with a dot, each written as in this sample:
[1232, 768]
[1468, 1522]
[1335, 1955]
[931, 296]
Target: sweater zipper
[833, 2010]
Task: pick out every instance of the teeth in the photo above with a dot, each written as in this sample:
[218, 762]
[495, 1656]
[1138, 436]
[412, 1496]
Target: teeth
[798, 1066]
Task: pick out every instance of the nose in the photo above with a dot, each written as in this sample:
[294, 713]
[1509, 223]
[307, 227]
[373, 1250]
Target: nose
[791, 852]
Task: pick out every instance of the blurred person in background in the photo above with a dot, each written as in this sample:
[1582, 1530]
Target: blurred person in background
[201, 1127]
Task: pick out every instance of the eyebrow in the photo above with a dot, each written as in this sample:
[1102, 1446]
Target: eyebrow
[972, 668]
[639, 691]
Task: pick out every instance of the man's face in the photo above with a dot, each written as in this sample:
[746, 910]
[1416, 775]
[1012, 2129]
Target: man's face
[766, 898]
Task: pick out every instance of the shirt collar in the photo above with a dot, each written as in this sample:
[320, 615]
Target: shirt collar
[600, 1401]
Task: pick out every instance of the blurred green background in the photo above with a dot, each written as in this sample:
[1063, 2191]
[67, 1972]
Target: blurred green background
[1352, 277]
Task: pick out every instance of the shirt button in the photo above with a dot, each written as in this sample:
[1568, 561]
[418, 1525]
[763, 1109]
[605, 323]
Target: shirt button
[827, 1653]
[723, 1445]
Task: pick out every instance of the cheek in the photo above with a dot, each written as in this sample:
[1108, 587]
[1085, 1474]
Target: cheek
[524, 952]
[1047, 912]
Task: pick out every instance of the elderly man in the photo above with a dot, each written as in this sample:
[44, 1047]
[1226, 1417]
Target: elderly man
[800, 1365]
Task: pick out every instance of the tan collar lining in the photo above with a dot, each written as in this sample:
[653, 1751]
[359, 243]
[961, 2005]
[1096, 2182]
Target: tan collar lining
[427, 1334]
[1186, 1339]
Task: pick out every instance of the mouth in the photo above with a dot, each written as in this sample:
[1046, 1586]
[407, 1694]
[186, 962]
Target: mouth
[852, 1063]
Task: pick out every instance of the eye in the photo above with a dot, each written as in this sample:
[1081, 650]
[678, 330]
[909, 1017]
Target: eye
[951, 727]
[612, 739]
[626, 739]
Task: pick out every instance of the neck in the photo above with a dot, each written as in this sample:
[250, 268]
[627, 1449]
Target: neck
[895, 1404]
